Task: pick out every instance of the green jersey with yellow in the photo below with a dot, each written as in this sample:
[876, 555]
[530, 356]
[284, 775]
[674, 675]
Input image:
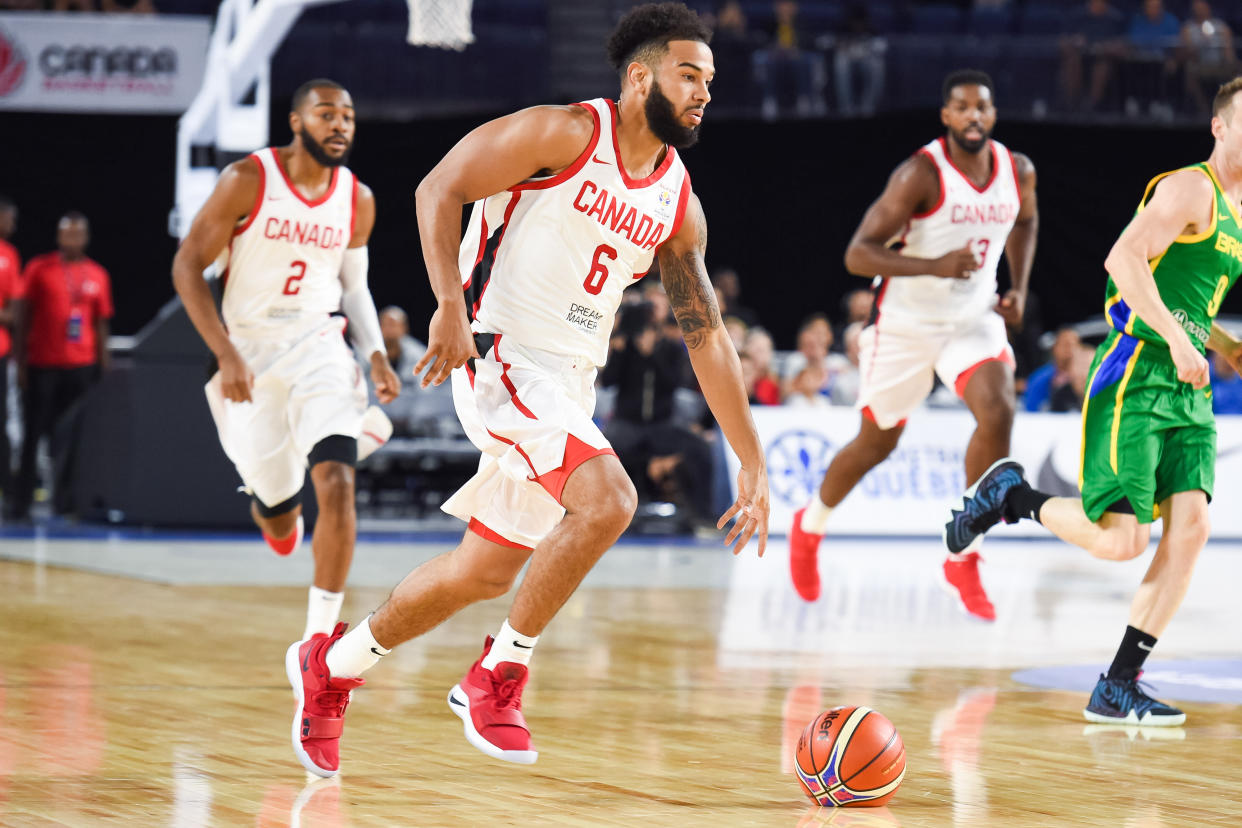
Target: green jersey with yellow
[1146, 434]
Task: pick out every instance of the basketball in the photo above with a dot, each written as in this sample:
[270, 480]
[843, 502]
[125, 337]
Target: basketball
[850, 756]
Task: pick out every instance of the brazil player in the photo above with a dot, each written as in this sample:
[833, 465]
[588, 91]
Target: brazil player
[1149, 445]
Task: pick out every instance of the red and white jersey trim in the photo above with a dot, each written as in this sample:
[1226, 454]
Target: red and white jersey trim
[965, 214]
[545, 262]
[284, 260]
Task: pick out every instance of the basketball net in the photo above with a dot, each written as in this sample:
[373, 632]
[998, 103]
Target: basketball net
[444, 24]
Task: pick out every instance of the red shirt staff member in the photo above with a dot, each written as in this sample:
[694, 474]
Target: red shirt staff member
[62, 345]
[10, 281]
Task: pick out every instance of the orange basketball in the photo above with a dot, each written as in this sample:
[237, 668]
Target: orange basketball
[850, 756]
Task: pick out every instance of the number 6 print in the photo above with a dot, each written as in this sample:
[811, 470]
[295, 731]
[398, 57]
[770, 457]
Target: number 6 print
[594, 281]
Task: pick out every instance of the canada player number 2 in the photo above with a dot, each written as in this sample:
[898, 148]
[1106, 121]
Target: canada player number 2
[294, 283]
[595, 279]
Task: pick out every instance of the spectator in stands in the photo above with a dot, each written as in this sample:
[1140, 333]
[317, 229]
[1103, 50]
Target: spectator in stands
[856, 306]
[666, 460]
[733, 47]
[789, 61]
[810, 372]
[1207, 43]
[858, 64]
[1054, 373]
[758, 350]
[127, 6]
[10, 308]
[404, 352]
[1154, 29]
[62, 349]
[845, 386]
[729, 289]
[1154, 35]
[1226, 386]
[1095, 32]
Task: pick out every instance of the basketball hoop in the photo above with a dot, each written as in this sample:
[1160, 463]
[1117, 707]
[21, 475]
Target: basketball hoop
[444, 24]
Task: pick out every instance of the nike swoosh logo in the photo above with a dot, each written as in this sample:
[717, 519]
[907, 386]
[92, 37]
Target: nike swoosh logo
[1143, 646]
[599, 160]
[377, 652]
[1222, 216]
[306, 661]
[453, 700]
[523, 646]
[271, 197]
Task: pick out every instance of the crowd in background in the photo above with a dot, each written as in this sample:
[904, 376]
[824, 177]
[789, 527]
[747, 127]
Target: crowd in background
[1137, 57]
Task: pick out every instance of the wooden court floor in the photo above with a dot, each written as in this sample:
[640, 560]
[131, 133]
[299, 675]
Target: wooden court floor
[138, 702]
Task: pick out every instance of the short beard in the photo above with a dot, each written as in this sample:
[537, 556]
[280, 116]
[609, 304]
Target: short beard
[663, 123]
[970, 146]
[317, 151]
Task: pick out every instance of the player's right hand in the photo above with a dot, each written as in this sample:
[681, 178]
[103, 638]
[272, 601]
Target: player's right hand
[960, 264]
[449, 344]
[1191, 365]
[236, 378]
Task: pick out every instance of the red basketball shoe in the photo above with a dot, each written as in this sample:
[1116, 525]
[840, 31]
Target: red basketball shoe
[804, 558]
[961, 572]
[321, 699]
[489, 704]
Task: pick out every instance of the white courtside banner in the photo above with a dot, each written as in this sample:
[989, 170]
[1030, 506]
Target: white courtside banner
[101, 63]
[910, 493]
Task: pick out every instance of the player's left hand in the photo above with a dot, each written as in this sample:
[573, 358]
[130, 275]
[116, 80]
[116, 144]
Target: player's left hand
[751, 508]
[387, 383]
[1011, 307]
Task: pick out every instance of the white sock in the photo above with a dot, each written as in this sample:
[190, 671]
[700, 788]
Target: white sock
[815, 518]
[355, 653]
[510, 645]
[323, 608]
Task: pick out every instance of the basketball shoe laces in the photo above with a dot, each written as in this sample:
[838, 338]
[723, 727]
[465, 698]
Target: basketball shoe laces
[331, 702]
[1136, 694]
[508, 693]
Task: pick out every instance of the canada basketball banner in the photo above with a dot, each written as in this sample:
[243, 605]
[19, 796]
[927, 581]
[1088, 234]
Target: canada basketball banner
[101, 63]
[910, 493]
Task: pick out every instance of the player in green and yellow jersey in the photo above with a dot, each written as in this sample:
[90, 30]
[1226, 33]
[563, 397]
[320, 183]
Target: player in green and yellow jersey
[1149, 438]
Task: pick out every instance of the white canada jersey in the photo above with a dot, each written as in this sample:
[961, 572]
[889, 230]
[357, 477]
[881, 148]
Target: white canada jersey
[282, 271]
[964, 215]
[545, 261]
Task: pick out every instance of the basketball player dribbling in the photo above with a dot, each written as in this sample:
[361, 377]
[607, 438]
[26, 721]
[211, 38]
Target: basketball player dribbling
[289, 226]
[1149, 435]
[571, 205]
[935, 236]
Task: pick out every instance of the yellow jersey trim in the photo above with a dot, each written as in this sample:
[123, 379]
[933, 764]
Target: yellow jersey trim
[1121, 390]
[1086, 401]
[1189, 238]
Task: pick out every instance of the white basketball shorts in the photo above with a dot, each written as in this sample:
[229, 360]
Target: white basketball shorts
[529, 412]
[898, 356]
[305, 389]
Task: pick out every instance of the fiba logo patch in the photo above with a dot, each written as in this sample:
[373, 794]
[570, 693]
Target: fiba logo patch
[12, 64]
[797, 461]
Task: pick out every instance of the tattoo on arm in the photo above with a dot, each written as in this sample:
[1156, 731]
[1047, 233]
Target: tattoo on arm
[690, 294]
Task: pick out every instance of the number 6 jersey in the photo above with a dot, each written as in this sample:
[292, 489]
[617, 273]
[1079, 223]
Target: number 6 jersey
[283, 265]
[545, 261]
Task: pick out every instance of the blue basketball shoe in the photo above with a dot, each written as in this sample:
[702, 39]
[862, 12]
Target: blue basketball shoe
[982, 505]
[1123, 702]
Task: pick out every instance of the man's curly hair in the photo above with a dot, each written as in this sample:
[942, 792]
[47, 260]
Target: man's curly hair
[644, 33]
